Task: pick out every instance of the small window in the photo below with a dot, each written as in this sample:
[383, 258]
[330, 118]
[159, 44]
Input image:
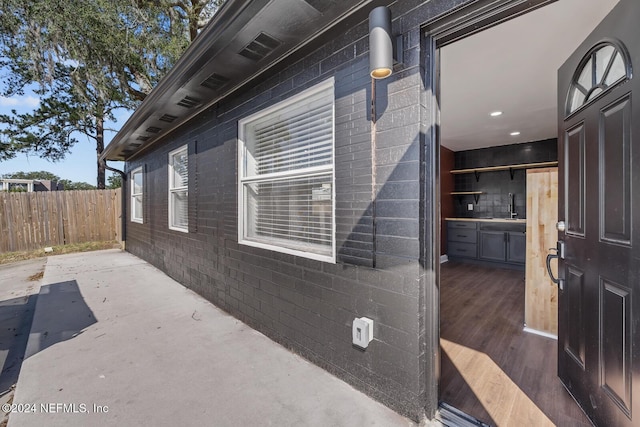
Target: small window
[603, 67]
[20, 187]
[136, 195]
[286, 176]
[178, 190]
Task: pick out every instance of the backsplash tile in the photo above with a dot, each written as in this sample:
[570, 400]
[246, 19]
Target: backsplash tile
[497, 185]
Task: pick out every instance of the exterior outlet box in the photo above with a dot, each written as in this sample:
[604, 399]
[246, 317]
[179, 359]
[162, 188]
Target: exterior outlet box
[470, 206]
[362, 332]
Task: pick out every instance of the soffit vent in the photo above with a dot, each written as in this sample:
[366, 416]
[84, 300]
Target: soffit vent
[168, 118]
[153, 129]
[136, 145]
[260, 47]
[321, 5]
[189, 102]
[143, 138]
[215, 82]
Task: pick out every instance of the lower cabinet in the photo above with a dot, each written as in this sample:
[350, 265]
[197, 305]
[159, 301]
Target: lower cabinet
[516, 246]
[492, 242]
[462, 239]
[503, 246]
[493, 246]
[464, 250]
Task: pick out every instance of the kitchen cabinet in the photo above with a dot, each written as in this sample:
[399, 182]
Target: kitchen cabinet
[462, 239]
[516, 247]
[493, 246]
[503, 242]
[507, 246]
[500, 243]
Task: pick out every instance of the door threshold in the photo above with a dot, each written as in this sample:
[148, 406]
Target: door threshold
[453, 417]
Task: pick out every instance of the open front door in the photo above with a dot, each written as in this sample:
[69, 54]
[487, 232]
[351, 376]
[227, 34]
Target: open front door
[599, 228]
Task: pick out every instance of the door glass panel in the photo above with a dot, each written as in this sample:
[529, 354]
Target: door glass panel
[577, 99]
[603, 57]
[597, 91]
[602, 67]
[586, 77]
[617, 70]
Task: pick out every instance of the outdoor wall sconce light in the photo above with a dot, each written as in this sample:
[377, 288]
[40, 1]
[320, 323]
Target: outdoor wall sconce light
[381, 43]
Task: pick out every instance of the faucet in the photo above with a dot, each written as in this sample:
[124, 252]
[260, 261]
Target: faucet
[512, 206]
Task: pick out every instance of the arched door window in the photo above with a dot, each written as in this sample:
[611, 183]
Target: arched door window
[606, 65]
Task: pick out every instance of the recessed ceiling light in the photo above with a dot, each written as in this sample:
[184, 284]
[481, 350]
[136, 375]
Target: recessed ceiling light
[496, 113]
[514, 133]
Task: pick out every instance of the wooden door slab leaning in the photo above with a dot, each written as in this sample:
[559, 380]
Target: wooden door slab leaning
[541, 295]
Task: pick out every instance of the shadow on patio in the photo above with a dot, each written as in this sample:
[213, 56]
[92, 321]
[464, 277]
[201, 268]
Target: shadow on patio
[62, 315]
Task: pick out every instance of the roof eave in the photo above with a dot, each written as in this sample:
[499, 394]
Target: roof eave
[236, 22]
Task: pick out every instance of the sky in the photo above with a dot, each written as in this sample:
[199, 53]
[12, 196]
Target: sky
[79, 165]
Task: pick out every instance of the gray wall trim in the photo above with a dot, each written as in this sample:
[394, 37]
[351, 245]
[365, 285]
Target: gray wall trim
[473, 18]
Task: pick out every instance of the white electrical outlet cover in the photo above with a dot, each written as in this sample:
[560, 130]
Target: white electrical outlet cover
[470, 206]
[362, 332]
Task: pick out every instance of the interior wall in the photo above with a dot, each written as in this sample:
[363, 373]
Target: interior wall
[447, 185]
[496, 186]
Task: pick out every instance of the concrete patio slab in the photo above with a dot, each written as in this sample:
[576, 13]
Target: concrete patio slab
[114, 341]
[19, 287]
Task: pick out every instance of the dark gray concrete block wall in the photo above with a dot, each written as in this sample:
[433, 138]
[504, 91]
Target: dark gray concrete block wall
[304, 304]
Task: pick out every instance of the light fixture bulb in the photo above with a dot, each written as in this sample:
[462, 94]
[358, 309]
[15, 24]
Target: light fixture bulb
[381, 73]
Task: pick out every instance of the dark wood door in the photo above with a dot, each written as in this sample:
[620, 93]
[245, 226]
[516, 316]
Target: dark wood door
[599, 203]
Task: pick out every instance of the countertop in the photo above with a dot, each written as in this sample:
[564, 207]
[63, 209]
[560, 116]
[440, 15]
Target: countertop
[516, 221]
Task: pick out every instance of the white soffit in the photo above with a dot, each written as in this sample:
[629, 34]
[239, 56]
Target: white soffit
[512, 68]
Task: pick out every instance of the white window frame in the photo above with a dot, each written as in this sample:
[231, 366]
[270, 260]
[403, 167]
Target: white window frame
[310, 172]
[134, 218]
[172, 189]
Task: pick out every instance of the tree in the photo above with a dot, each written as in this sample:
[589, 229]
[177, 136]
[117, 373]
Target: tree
[195, 13]
[114, 181]
[88, 58]
[32, 175]
[72, 185]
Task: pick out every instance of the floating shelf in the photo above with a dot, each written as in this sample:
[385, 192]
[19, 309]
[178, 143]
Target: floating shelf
[475, 194]
[510, 168]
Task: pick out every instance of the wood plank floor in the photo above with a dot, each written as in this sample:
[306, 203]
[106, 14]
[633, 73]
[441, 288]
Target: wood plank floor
[491, 369]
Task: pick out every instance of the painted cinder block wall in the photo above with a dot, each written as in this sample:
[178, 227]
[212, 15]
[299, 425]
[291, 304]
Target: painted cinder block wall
[309, 305]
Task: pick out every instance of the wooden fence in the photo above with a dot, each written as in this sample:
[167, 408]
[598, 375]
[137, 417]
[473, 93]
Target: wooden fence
[36, 220]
